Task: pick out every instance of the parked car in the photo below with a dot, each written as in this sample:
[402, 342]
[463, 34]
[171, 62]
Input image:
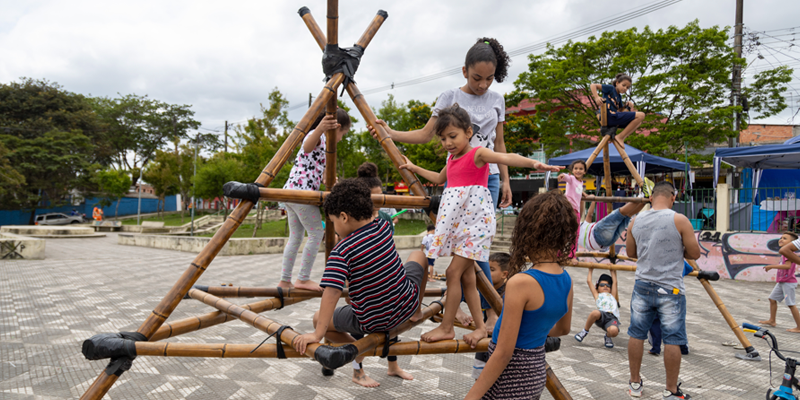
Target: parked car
[58, 219]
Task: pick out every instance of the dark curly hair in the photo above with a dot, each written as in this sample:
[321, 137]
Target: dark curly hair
[546, 231]
[368, 173]
[453, 115]
[349, 196]
[501, 259]
[489, 50]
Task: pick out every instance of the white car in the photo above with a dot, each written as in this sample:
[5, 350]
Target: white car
[58, 219]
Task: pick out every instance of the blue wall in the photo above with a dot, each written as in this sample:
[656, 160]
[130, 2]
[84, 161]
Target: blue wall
[128, 206]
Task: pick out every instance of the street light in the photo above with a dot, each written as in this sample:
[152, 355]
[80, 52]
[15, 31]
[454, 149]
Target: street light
[194, 178]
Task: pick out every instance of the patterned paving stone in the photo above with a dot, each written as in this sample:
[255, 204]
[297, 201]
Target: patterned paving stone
[88, 286]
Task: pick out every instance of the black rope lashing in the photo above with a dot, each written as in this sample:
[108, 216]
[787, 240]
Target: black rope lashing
[613, 258]
[244, 191]
[440, 305]
[388, 342]
[280, 297]
[279, 347]
[336, 59]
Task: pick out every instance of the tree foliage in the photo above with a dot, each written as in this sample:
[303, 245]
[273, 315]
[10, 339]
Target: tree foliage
[12, 183]
[681, 80]
[113, 184]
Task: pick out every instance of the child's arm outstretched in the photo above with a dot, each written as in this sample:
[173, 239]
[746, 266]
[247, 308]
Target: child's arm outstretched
[786, 265]
[614, 284]
[433, 177]
[788, 251]
[485, 156]
[330, 296]
[327, 123]
[590, 283]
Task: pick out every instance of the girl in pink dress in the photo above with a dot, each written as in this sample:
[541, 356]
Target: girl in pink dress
[574, 192]
[465, 224]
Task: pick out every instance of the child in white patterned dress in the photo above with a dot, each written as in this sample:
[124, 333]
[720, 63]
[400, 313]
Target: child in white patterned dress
[466, 222]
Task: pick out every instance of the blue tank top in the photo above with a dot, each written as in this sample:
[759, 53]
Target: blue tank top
[536, 324]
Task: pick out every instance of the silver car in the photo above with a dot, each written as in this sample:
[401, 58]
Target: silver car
[58, 219]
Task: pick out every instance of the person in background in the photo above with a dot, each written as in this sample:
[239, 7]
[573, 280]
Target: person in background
[427, 241]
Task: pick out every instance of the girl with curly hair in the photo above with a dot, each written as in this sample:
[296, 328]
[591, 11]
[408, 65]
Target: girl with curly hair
[465, 223]
[538, 301]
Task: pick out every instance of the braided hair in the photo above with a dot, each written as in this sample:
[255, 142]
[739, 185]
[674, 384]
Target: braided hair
[489, 50]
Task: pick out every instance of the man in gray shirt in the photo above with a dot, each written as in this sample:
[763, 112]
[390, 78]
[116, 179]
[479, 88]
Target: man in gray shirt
[660, 239]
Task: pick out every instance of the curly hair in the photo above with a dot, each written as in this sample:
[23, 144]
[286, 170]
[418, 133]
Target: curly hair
[501, 259]
[453, 115]
[489, 50]
[368, 173]
[546, 231]
[350, 196]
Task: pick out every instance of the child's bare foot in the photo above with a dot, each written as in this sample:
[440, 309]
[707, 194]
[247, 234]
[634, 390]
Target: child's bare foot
[395, 370]
[417, 316]
[462, 317]
[360, 377]
[439, 333]
[285, 285]
[794, 330]
[491, 319]
[768, 322]
[475, 336]
[307, 285]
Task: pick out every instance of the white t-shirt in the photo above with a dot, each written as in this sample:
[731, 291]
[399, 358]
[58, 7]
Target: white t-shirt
[607, 303]
[427, 241]
[796, 244]
[485, 111]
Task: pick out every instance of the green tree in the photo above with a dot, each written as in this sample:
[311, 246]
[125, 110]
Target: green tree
[681, 80]
[216, 172]
[52, 137]
[162, 174]
[12, 183]
[113, 184]
[137, 126]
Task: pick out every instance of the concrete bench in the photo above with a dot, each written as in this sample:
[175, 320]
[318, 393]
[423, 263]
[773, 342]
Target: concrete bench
[153, 224]
[106, 225]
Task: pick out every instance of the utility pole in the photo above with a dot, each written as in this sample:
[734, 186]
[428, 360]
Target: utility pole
[139, 209]
[736, 84]
[226, 137]
[194, 201]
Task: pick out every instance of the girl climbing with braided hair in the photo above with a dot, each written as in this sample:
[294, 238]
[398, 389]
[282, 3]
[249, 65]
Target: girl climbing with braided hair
[620, 115]
[306, 174]
[537, 302]
[485, 63]
[465, 222]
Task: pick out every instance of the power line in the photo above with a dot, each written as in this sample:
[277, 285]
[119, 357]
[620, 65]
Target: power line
[569, 35]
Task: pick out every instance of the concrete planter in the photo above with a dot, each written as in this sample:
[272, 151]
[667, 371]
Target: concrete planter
[18, 247]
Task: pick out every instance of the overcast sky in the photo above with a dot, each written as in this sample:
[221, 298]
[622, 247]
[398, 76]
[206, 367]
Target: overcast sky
[223, 58]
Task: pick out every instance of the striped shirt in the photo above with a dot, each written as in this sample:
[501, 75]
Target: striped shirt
[381, 295]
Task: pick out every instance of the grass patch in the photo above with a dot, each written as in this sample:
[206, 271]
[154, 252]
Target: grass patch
[278, 229]
[169, 219]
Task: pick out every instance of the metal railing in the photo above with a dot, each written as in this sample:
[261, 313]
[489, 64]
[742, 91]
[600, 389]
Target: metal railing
[700, 206]
[771, 210]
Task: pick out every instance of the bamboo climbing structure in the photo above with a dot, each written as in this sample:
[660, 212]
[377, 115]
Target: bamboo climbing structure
[156, 327]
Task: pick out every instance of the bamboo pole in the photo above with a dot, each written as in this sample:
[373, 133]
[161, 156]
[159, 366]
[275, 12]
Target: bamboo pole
[224, 350]
[317, 198]
[191, 324]
[554, 386]
[628, 163]
[488, 291]
[333, 22]
[616, 199]
[603, 255]
[103, 382]
[612, 250]
[363, 41]
[237, 291]
[748, 347]
[611, 267]
[596, 152]
[330, 168]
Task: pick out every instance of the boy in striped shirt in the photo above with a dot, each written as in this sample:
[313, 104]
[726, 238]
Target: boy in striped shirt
[383, 292]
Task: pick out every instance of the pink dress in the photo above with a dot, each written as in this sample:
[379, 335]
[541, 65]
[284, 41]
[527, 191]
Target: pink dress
[465, 224]
[573, 192]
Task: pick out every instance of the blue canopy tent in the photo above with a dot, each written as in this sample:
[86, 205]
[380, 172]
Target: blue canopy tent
[642, 161]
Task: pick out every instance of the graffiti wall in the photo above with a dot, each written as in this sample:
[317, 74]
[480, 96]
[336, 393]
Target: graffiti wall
[734, 255]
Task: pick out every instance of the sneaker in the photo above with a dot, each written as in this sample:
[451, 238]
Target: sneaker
[635, 388]
[685, 349]
[582, 334]
[677, 395]
[609, 342]
[647, 189]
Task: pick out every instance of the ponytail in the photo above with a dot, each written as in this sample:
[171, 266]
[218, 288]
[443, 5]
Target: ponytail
[489, 50]
[341, 117]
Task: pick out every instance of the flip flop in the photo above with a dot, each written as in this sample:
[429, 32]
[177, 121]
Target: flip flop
[729, 344]
[738, 346]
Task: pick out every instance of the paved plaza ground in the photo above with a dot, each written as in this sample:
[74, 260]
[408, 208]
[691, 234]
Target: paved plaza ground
[89, 286]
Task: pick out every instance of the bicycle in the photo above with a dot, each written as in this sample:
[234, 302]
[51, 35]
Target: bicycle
[785, 390]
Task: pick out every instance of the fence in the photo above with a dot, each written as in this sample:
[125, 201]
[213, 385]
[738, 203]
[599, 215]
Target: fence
[700, 206]
[771, 210]
[128, 206]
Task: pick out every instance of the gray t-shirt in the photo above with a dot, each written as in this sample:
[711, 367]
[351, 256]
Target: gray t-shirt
[486, 111]
[659, 248]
